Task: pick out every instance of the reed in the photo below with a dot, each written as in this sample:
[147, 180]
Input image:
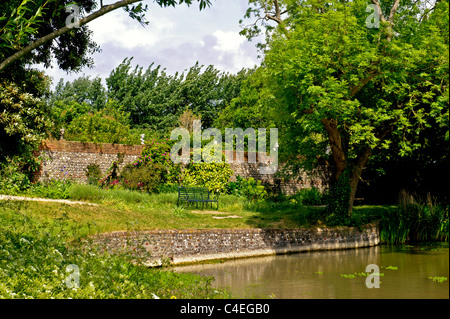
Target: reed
[414, 221]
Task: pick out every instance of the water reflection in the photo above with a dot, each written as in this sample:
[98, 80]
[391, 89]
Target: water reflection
[318, 274]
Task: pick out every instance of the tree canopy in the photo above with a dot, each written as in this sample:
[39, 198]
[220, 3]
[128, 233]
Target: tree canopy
[341, 90]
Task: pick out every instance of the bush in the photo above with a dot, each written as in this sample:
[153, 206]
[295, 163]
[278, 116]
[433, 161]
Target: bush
[153, 171]
[143, 177]
[214, 176]
[93, 173]
[248, 188]
[12, 180]
[309, 196]
[56, 189]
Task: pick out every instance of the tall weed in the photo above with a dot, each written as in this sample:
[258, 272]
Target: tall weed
[415, 220]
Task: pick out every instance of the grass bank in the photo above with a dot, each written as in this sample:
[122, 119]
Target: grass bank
[37, 261]
[121, 210]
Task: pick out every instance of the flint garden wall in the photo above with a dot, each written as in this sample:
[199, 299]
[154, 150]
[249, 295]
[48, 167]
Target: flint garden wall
[67, 159]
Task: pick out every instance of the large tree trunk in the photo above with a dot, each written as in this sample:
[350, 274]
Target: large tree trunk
[355, 176]
[337, 150]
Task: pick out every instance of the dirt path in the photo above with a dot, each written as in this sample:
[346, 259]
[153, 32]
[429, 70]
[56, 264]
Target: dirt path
[36, 199]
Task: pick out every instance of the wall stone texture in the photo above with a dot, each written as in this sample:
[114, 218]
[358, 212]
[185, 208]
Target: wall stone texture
[187, 246]
[68, 160]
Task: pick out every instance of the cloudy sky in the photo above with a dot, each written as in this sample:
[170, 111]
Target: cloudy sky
[175, 38]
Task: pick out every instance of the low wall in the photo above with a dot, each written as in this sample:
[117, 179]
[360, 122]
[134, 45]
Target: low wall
[188, 246]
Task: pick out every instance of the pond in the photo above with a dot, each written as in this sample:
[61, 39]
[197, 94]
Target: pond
[405, 273]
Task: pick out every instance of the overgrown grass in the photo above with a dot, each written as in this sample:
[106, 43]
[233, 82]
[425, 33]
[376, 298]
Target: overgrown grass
[35, 257]
[415, 221]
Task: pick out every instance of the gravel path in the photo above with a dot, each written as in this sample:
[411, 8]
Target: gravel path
[64, 201]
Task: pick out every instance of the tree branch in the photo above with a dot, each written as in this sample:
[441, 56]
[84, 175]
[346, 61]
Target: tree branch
[103, 10]
[277, 16]
[393, 11]
[380, 13]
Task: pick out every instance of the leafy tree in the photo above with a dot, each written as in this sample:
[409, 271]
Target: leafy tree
[29, 25]
[108, 125]
[82, 90]
[156, 99]
[342, 90]
[250, 107]
[24, 119]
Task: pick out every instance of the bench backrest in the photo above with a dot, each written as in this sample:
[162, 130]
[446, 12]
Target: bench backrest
[197, 193]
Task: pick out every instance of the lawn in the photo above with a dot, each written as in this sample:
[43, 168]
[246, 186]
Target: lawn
[120, 210]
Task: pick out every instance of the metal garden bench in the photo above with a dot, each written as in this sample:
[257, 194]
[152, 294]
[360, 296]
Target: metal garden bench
[196, 195]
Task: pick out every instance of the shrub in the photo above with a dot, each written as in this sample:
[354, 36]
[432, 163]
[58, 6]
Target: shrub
[143, 177]
[248, 188]
[152, 171]
[56, 189]
[93, 173]
[12, 180]
[309, 196]
[214, 176]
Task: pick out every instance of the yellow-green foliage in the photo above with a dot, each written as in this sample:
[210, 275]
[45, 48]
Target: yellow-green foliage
[214, 176]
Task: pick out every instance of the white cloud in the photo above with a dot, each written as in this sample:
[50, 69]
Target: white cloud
[228, 41]
[118, 28]
[175, 38]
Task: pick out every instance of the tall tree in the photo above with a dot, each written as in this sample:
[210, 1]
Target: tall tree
[156, 99]
[345, 88]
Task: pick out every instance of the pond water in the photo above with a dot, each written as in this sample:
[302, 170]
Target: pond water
[317, 275]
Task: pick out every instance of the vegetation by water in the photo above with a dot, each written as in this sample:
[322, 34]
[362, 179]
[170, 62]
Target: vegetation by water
[415, 220]
[38, 259]
[439, 279]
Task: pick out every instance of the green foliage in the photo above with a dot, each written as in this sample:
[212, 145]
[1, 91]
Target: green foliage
[105, 126]
[143, 177]
[439, 279]
[214, 176]
[35, 256]
[155, 99]
[93, 173]
[153, 170]
[339, 90]
[251, 108]
[336, 212]
[20, 25]
[415, 221]
[12, 178]
[24, 120]
[56, 189]
[249, 188]
[309, 196]
[82, 90]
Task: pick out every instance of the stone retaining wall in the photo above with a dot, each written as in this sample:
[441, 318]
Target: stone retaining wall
[186, 246]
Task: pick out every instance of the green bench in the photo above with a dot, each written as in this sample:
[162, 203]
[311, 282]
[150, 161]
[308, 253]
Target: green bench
[196, 195]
